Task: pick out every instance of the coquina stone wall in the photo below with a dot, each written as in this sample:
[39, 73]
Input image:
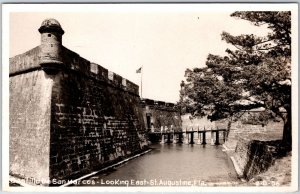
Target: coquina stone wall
[30, 125]
[254, 157]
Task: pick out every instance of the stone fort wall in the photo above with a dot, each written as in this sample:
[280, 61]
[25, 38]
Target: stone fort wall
[69, 116]
[159, 115]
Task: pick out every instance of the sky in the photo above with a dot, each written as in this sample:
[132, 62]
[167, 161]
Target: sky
[164, 42]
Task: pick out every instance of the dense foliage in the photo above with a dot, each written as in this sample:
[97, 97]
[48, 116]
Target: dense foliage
[257, 73]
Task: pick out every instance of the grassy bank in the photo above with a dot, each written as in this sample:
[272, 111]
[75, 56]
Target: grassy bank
[279, 174]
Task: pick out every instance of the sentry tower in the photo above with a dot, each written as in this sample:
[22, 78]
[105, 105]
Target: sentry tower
[51, 43]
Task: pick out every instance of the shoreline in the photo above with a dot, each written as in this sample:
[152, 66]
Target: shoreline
[106, 168]
[237, 168]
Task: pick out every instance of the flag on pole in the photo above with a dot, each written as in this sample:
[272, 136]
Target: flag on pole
[139, 70]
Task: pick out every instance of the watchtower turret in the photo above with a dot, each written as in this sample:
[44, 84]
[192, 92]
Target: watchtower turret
[51, 43]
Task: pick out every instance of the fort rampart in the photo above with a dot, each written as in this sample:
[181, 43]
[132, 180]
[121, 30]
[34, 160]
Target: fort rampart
[69, 116]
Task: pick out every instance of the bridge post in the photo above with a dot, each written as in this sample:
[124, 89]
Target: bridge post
[180, 138]
[192, 138]
[204, 138]
[168, 137]
[187, 138]
[217, 138]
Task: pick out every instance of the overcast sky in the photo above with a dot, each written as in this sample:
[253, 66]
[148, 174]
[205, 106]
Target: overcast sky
[165, 42]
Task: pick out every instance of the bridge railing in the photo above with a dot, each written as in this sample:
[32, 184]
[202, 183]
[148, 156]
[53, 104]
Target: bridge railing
[179, 129]
[173, 129]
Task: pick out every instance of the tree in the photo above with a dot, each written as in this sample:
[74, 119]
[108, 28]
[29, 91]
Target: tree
[257, 73]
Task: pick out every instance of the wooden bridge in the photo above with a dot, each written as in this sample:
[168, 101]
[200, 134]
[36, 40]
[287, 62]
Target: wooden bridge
[178, 136]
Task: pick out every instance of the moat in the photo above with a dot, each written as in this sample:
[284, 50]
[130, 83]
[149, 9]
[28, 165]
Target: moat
[172, 165]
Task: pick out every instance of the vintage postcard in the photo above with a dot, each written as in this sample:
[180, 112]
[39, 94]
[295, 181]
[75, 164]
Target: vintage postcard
[150, 97]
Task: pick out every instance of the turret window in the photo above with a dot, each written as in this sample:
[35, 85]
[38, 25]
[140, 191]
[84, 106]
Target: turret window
[49, 35]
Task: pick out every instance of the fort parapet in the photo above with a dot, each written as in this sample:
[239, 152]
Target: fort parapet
[159, 105]
[68, 61]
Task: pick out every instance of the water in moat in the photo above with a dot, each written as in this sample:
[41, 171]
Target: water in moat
[172, 165]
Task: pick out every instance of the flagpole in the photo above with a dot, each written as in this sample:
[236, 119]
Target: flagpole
[142, 82]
